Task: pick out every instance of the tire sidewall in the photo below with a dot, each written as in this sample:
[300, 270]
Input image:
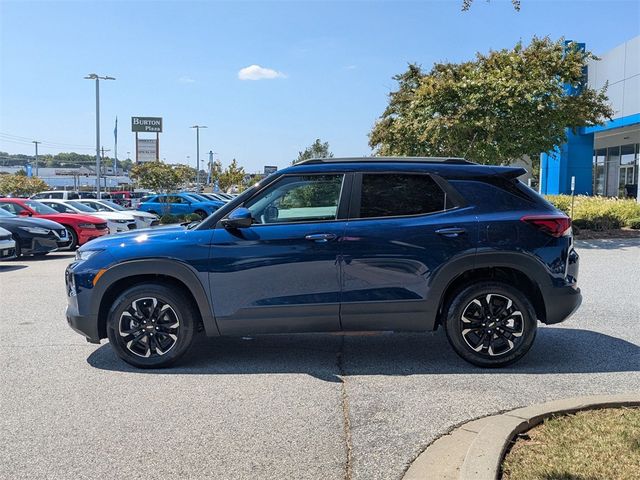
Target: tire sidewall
[459, 302]
[74, 238]
[183, 309]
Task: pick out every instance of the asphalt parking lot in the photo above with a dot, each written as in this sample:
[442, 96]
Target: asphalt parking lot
[299, 407]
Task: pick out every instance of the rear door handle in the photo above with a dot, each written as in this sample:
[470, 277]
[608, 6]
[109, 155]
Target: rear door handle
[321, 237]
[451, 232]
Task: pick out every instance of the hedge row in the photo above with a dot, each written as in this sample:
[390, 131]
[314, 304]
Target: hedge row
[167, 218]
[599, 213]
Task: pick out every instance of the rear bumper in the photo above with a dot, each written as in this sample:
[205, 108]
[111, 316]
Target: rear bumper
[561, 304]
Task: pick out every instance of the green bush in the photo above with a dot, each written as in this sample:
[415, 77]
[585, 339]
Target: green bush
[634, 223]
[597, 213]
[167, 218]
[192, 217]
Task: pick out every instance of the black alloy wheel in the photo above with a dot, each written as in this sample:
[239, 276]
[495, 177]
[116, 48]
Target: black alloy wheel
[152, 325]
[490, 324]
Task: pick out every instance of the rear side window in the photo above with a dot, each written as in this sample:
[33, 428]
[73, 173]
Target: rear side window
[400, 194]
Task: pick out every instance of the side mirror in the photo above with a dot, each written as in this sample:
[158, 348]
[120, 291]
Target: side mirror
[239, 218]
[24, 213]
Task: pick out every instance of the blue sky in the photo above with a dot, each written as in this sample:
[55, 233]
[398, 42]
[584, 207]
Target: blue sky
[333, 62]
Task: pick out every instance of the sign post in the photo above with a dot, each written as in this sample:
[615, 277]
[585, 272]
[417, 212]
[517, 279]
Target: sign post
[145, 151]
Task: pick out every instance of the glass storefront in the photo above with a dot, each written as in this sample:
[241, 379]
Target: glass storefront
[615, 170]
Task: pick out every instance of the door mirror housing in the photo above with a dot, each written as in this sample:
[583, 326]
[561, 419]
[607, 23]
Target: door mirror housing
[239, 218]
[24, 213]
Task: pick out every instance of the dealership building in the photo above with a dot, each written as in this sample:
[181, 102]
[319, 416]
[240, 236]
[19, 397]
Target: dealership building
[603, 159]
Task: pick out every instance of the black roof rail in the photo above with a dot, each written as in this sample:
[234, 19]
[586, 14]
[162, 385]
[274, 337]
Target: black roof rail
[450, 160]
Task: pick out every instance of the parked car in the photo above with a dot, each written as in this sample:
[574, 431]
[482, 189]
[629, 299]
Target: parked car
[401, 244]
[63, 195]
[7, 244]
[178, 204]
[215, 197]
[116, 221]
[126, 198]
[143, 219]
[34, 236]
[80, 228]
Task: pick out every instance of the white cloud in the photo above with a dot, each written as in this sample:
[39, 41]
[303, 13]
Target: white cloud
[351, 67]
[256, 72]
[186, 79]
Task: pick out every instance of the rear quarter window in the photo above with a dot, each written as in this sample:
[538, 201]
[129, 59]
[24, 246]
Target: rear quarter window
[491, 196]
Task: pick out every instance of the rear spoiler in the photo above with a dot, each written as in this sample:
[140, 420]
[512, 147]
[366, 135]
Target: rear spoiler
[509, 172]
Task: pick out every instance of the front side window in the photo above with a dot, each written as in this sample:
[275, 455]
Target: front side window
[400, 194]
[299, 198]
[39, 208]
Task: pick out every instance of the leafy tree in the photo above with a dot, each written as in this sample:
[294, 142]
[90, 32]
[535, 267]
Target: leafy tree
[466, 4]
[20, 185]
[495, 109]
[215, 171]
[317, 149]
[185, 174]
[158, 176]
[233, 175]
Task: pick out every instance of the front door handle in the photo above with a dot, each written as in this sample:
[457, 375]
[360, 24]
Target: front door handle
[321, 237]
[451, 232]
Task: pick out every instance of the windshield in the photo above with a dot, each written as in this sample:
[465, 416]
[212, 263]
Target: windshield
[40, 208]
[81, 207]
[113, 205]
[4, 213]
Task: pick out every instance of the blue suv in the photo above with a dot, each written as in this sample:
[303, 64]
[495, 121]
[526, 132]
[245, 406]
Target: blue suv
[179, 204]
[400, 244]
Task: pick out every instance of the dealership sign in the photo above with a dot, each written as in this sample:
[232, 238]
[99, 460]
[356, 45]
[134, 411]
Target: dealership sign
[147, 150]
[146, 124]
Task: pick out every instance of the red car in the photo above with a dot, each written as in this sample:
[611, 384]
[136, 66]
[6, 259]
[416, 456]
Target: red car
[81, 228]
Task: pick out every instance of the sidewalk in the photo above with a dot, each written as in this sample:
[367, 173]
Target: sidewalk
[474, 450]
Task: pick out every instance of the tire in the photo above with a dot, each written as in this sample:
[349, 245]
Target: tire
[165, 338]
[73, 236]
[490, 324]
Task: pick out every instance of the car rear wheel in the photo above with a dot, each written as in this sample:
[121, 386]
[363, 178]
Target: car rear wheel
[74, 238]
[151, 325]
[490, 324]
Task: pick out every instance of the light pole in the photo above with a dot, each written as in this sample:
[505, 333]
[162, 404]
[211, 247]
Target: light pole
[93, 76]
[36, 143]
[198, 127]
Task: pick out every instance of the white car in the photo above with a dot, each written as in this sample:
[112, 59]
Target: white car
[116, 221]
[7, 245]
[143, 219]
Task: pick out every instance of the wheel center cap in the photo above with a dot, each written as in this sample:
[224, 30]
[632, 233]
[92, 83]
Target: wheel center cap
[149, 327]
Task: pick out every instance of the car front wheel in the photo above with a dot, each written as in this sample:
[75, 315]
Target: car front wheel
[151, 325]
[490, 324]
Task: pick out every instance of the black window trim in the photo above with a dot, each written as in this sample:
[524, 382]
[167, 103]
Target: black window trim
[343, 204]
[450, 193]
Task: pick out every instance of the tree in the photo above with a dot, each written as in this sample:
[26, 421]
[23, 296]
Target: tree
[215, 171]
[495, 109]
[158, 176]
[20, 185]
[316, 150]
[233, 175]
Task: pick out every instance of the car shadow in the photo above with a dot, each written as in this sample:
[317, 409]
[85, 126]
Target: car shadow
[326, 356]
[11, 268]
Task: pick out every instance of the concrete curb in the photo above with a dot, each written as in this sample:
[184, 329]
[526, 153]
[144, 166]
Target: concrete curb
[474, 450]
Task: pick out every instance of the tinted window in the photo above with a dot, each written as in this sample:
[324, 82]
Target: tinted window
[300, 198]
[12, 208]
[399, 194]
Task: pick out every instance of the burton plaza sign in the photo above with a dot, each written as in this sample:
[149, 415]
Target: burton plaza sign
[146, 124]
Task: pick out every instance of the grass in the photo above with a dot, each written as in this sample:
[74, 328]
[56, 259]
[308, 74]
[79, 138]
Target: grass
[589, 445]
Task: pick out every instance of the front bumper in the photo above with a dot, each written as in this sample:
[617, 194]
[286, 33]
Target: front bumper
[90, 233]
[86, 325]
[7, 249]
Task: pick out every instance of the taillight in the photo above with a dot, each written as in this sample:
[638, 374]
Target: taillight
[554, 225]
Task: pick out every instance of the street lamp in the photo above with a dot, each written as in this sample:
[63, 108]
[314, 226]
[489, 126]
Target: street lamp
[93, 76]
[198, 127]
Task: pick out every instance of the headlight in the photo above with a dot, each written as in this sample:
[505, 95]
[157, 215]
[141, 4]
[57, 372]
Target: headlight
[86, 225]
[82, 255]
[122, 221]
[36, 230]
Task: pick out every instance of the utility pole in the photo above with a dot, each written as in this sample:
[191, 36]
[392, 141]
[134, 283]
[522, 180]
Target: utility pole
[36, 143]
[198, 127]
[93, 76]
